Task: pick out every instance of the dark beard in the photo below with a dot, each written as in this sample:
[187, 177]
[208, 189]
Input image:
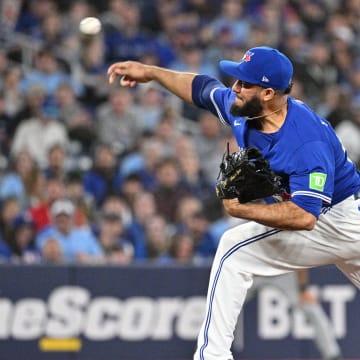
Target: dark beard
[251, 108]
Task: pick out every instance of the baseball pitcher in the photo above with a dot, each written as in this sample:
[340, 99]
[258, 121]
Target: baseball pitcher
[312, 219]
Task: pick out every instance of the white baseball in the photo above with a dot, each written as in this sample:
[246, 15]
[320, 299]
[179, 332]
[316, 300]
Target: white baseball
[90, 25]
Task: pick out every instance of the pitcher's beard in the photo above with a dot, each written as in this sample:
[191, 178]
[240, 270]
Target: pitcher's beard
[251, 108]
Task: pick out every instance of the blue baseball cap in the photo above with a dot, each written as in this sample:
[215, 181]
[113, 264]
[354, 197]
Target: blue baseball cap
[23, 220]
[262, 66]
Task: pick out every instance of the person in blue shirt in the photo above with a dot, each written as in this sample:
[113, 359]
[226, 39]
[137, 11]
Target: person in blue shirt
[103, 178]
[78, 244]
[317, 224]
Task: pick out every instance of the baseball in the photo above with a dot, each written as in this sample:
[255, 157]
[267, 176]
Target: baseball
[90, 25]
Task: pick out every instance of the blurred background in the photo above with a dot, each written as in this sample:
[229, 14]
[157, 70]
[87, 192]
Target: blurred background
[107, 202]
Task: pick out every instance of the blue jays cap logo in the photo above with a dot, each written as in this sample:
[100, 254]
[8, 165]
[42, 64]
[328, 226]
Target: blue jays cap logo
[247, 56]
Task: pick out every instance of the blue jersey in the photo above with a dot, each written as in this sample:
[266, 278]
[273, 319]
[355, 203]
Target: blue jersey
[305, 151]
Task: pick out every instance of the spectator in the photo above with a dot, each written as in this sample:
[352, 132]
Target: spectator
[184, 145]
[76, 118]
[187, 206]
[232, 16]
[115, 203]
[330, 102]
[34, 99]
[124, 37]
[169, 189]
[355, 84]
[40, 213]
[217, 47]
[116, 247]
[158, 237]
[131, 187]
[32, 14]
[206, 9]
[191, 219]
[295, 44]
[117, 122]
[318, 73]
[168, 130]
[343, 61]
[49, 74]
[340, 108]
[191, 58]
[349, 133]
[150, 101]
[5, 121]
[182, 248]
[182, 30]
[209, 144]
[102, 179]
[78, 244]
[143, 207]
[9, 211]
[313, 15]
[9, 14]
[271, 19]
[14, 102]
[52, 252]
[4, 64]
[39, 134]
[52, 33]
[144, 162]
[22, 180]
[22, 241]
[56, 166]
[204, 244]
[193, 178]
[83, 202]
[77, 10]
[113, 16]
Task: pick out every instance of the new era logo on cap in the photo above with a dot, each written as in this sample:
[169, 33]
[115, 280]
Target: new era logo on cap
[263, 66]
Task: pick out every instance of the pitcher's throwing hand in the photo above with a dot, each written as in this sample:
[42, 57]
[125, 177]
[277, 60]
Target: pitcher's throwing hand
[130, 73]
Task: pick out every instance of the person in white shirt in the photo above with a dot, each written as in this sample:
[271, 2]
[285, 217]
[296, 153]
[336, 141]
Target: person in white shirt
[39, 134]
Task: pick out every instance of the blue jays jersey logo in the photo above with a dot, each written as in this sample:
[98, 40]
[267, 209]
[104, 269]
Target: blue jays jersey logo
[247, 56]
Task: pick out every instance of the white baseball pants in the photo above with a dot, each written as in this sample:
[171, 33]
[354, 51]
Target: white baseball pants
[253, 249]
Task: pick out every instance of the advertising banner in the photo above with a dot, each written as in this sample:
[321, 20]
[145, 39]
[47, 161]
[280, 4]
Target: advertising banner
[154, 313]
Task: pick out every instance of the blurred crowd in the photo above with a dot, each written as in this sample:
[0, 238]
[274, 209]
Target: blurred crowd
[92, 173]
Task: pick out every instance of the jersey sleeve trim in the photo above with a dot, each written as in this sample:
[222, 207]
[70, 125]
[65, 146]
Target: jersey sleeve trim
[221, 118]
[324, 198]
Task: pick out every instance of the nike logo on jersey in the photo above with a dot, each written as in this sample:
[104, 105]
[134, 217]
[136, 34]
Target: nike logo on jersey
[237, 123]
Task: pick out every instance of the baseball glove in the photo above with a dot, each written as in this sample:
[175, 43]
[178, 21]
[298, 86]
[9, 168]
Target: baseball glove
[246, 175]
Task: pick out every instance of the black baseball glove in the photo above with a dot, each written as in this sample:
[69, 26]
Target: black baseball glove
[246, 175]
